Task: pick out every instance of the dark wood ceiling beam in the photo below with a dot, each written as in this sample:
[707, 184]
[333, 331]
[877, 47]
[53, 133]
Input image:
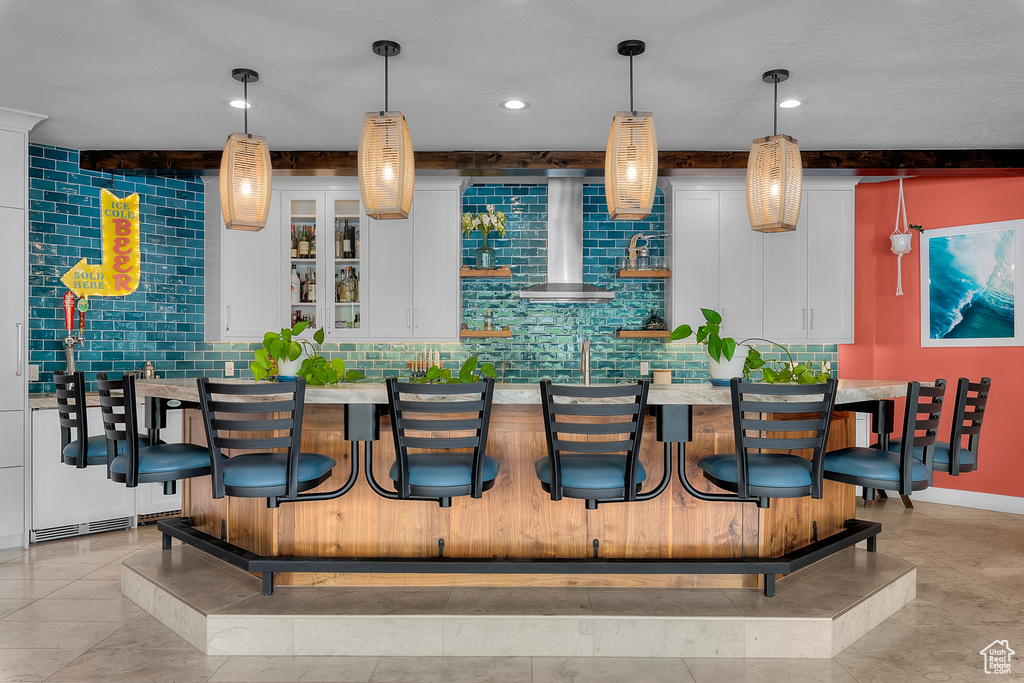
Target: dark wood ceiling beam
[867, 162]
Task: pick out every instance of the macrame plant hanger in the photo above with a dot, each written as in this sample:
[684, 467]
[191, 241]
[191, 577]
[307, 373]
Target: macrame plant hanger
[900, 239]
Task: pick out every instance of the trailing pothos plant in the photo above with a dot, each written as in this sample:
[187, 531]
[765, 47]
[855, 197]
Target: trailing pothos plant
[288, 345]
[709, 334]
[775, 372]
[471, 371]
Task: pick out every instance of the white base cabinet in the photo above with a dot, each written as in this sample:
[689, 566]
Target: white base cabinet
[790, 287]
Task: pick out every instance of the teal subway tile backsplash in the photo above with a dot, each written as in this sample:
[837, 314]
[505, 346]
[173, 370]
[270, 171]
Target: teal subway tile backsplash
[163, 321]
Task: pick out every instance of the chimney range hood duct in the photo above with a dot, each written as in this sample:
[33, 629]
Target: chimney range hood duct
[565, 249]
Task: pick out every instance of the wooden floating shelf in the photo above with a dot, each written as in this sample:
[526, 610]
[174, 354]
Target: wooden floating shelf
[645, 273]
[479, 334]
[504, 271]
[644, 334]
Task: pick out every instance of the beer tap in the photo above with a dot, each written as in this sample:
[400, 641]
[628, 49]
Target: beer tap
[73, 340]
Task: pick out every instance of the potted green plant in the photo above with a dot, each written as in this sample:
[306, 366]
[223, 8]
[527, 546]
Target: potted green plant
[716, 346]
[286, 355]
[485, 223]
[774, 372]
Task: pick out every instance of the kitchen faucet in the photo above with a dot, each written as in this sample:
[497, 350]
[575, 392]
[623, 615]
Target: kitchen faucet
[585, 361]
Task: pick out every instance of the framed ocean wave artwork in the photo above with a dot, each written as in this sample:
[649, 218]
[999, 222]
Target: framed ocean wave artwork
[972, 285]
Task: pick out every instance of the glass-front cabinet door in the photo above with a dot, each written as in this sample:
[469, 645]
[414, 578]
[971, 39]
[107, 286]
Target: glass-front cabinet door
[346, 313]
[325, 261]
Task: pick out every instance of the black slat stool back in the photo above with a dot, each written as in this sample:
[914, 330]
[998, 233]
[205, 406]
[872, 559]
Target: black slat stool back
[440, 433]
[71, 413]
[971, 400]
[135, 463]
[264, 419]
[602, 470]
[874, 468]
[763, 466]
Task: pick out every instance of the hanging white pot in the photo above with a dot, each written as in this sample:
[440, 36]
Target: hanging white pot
[901, 240]
[723, 370]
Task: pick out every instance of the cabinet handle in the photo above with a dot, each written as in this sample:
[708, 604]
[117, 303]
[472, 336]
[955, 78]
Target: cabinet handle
[17, 326]
[227, 319]
[408, 317]
[803, 318]
[812, 318]
[417, 318]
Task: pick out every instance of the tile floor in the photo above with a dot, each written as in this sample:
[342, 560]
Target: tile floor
[62, 618]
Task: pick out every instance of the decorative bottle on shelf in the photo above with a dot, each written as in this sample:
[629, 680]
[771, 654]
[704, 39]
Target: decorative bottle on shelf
[489, 320]
[304, 244]
[346, 249]
[295, 243]
[296, 286]
[312, 243]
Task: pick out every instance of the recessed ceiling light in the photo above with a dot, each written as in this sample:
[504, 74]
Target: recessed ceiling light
[240, 104]
[515, 104]
[789, 104]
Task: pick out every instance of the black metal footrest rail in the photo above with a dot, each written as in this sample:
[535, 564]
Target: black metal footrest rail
[856, 530]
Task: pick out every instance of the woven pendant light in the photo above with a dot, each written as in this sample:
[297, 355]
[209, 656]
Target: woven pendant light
[245, 172]
[387, 169]
[774, 175]
[631, 159]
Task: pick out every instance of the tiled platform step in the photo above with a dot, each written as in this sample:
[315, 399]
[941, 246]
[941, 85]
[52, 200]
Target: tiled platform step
[816, 613]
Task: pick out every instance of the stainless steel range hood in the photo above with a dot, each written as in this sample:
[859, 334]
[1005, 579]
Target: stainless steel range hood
[565, 249]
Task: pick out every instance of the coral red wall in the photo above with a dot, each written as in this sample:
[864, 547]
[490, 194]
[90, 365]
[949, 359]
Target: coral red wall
[888, 327]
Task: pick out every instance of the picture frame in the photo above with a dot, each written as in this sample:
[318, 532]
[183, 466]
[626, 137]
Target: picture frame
[972, 285]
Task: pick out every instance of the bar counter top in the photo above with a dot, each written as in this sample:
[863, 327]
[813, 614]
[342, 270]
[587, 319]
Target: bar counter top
[696, 393]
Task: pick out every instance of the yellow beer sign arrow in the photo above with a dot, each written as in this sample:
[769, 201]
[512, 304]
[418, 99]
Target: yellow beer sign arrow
[118, 275]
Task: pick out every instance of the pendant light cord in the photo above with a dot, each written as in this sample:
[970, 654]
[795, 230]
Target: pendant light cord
[631, 84]
[386, 58]
[775, 109]
[245, 103]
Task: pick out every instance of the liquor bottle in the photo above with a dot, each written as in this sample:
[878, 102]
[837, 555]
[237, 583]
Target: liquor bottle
[355, 322]
[353, 285]
[312, 243]
[357, 241]
[346, 247]
[295, 243]
[312, 288]
[296, 285]
[342, 294]
[337, 238]
[303, 244]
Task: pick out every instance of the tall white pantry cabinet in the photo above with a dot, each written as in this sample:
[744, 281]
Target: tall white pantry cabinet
[14, 415]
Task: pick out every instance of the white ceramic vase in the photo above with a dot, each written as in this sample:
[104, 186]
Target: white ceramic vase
[724, 370]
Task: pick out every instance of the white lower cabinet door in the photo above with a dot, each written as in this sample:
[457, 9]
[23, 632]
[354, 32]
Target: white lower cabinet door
[62, 494]
[740, 268]
[391, 277]
[12, 506]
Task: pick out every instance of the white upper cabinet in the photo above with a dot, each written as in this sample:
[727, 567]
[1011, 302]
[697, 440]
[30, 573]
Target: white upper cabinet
[243, 275]
[790, 287]
[360, 279]
[12, 168]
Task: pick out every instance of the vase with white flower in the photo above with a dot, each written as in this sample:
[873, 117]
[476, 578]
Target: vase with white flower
[485, 223]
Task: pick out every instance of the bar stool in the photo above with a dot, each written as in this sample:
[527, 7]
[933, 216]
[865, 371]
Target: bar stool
[72, 415]
[874, 468]
[163, 463]
[968, 414]
[599, 471]
[263, 417]
[769, 473]
[423, 417]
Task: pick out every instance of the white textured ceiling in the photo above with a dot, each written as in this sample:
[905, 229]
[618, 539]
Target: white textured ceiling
[149, 74]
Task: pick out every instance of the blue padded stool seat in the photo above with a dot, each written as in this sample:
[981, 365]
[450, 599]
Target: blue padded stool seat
[871, 463]
[764, 470]
[265, 470]
[445, 469]
[169, 457]
[598, 471]
[940, 454]
[96, 450]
